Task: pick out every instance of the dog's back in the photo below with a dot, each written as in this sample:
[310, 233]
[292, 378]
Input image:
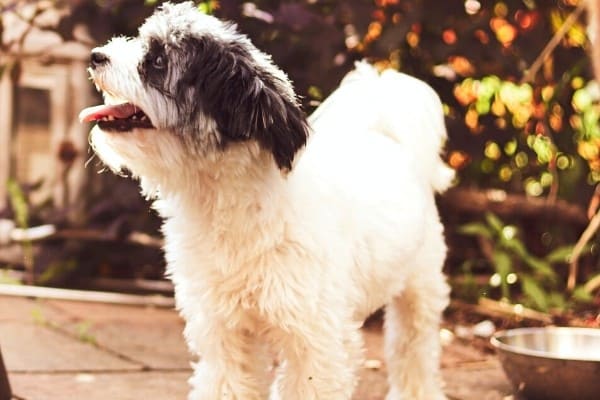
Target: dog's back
[391, 104]
[366, 181]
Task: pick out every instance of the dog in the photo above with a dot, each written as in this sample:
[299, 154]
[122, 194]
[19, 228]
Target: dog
[282, 232]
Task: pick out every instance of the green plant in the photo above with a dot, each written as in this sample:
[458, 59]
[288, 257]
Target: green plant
[38, 317]
[84, 334]
[7, 278]
[20, 208]
[520, 275]
[56, 270]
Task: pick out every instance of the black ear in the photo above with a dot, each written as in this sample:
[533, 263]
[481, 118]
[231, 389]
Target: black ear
[246, 101]
[276, 122]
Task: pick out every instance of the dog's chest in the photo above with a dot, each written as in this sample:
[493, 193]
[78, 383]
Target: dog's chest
[229, 273]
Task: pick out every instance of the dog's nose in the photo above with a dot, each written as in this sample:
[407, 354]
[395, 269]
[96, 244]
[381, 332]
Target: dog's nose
[98, 59]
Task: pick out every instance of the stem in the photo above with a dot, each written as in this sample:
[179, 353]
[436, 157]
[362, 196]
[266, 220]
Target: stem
[587, 234]
[554, 41]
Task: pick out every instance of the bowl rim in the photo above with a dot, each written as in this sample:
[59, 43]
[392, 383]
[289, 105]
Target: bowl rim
[499, 345]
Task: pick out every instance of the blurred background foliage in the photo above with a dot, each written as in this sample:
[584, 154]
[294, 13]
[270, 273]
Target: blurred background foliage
[521, 108]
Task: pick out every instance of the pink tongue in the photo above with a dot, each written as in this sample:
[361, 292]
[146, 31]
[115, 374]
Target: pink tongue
[120, 111]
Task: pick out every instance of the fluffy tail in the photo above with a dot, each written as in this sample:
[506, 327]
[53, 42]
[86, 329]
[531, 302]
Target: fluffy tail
[410, 112]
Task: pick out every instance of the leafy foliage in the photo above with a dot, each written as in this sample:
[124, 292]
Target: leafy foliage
[516, 121]
[20, 208]
[540, 279]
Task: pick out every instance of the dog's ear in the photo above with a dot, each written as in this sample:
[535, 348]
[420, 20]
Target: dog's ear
[246, 100]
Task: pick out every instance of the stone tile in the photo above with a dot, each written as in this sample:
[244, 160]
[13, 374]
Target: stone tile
[477, 381]
[129, 338]
[25, 310]
[113, 312]
[468, 373]
[155, 345]
[373, 339]
[150, 336]
[372, 385]
[162, 385]
[35, 347]
[459, 352]
[167, 385]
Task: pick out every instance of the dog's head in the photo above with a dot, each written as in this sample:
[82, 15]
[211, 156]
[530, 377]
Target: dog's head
[189, 86]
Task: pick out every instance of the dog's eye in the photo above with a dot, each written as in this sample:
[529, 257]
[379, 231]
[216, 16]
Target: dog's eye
[159, 62]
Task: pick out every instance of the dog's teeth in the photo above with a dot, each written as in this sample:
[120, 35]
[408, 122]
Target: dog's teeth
[111, 118]
[134, 116]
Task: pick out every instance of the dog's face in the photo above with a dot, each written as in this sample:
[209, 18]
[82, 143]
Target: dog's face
[189, 86]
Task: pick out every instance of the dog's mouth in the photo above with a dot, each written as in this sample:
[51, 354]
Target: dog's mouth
[117, 118]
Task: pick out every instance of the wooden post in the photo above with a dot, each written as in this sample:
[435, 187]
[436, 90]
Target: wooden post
[80, 98]
[53, 79]
[5, 392]
[6, 132]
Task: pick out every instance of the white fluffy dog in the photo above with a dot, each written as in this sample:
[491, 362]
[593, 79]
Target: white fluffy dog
[282, 234]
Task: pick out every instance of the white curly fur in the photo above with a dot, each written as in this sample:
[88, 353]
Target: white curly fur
[266, 262]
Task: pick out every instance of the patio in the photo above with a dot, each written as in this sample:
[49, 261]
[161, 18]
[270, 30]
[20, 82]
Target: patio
[57, 349]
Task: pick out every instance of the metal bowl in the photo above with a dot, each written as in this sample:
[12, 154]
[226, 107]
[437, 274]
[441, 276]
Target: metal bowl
[551, 363]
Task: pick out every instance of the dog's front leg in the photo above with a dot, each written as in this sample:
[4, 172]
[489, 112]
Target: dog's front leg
[320, 363]
[233, 364]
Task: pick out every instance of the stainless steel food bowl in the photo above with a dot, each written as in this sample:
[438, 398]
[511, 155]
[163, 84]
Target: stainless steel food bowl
[551, 363]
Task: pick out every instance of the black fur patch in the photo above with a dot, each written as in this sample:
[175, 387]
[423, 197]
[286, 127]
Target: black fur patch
[154, 67]
[241, 97]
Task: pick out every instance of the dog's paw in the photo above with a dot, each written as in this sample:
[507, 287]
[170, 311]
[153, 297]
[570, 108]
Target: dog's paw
[436, 394]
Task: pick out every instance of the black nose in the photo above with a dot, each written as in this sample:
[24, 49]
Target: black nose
[98, 59]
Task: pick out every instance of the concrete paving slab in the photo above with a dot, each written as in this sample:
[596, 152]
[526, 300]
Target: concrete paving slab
[468, 373]
[34, 347]
[167, 385]
[477, 381]
[460, 352]
[372, 385]
[155, 345]
[25, 310]
[148, 335]
[480, 381]
[140, 353]
[373, 340]
[113, 312]
[164, 385]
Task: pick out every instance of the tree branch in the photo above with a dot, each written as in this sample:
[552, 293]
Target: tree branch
[558, 36]
[585, 237]
[512, 205]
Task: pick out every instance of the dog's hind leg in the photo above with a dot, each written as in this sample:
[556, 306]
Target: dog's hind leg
[412, 343]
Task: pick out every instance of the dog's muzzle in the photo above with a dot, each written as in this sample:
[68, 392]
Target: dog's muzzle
[122, 117]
